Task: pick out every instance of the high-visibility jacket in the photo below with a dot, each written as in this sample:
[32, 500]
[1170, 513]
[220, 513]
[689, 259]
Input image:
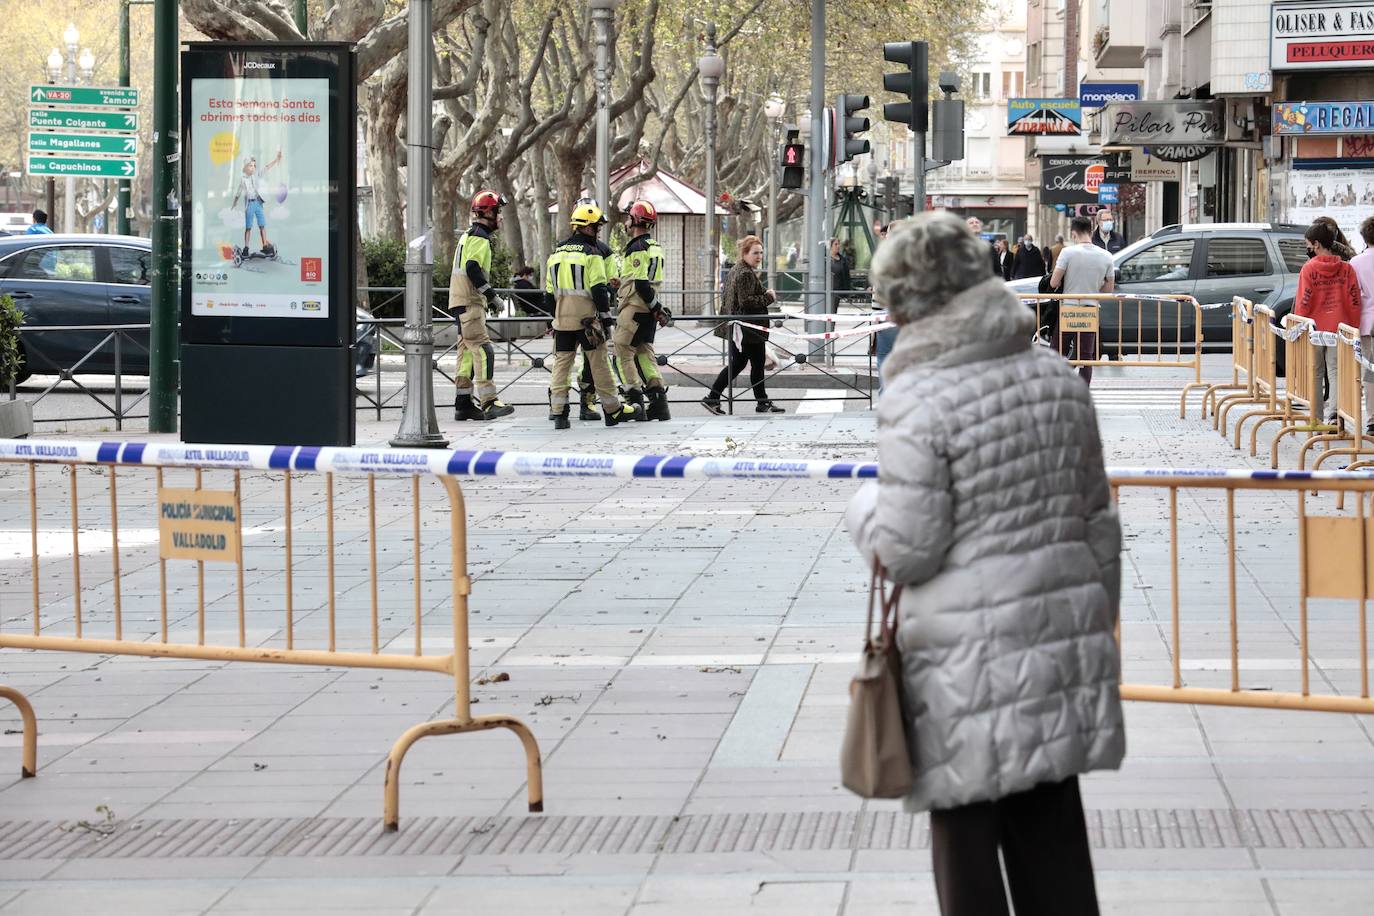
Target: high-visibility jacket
[575, 278]
[468, 285]
[641, 273]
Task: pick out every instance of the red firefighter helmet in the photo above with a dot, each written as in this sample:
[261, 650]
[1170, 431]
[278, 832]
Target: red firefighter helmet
[642, 213]
[487, 203]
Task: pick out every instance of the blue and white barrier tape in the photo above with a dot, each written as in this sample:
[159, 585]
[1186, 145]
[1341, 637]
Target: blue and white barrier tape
[495, 463]
[461, 462]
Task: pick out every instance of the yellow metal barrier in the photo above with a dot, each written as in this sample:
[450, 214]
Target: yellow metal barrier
[1300, 358]
[1275, 405]
[1246, 331]
[1166, 329]
[1242, 355]
[209, 525]
[1349, 396]
[1334, 560]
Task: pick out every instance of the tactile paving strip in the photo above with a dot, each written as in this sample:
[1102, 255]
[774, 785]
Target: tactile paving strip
[1117, 828]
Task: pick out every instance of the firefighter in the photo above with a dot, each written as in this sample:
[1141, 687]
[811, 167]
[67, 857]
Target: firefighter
[586, 385]
[577, 284]
[641, 313]
[470, 295]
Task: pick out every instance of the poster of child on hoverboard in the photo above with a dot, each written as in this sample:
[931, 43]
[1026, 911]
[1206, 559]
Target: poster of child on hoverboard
[259, 198]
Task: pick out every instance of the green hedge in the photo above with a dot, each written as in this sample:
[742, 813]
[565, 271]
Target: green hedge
[386, 266]
[10, 320]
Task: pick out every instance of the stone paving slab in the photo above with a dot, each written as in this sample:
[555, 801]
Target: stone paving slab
[694, 641]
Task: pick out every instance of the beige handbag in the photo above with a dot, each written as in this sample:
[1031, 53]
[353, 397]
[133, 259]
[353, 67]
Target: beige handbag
[874, 761]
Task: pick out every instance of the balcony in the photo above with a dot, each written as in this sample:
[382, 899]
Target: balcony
[1118, 29]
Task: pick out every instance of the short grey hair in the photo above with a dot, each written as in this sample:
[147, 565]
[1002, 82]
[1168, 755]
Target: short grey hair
[925, 262]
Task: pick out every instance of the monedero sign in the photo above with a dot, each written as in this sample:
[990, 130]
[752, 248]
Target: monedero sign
[1299, 118]
[1184, 123]
[1321, 36]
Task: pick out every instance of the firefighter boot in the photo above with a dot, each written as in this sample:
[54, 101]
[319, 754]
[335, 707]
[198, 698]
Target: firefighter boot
[494, 408]
[587, 407]
[658, 404]
[464, 409]
[624, 414]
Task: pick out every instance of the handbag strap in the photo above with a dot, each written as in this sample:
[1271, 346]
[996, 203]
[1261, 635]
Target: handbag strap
[887, 603]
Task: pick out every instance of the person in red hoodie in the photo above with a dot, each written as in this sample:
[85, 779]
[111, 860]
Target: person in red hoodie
[1329, 294]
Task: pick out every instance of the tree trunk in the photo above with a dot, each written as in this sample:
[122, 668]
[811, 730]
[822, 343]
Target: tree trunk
[446, 197]
[386, 100]
[541, 200]
[571, 169]
[512, 227]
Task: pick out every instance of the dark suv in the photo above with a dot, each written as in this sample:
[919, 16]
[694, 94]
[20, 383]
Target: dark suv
[1213, 262]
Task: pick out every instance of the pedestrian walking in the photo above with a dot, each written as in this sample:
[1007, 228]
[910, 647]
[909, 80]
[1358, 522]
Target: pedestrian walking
[1004, 259]
[840, 280]
[1106, 236]
[1029, 262]
[641, 313]
[1052, 256]
[470, 295]
[1363, 264]
[39, 226]
[1342, 248]
[975, 225]
[1083, 267]
[883, 341]
[745, 297]
[579, 291]
[1010, 569]
[1329, 294]
[527, 294]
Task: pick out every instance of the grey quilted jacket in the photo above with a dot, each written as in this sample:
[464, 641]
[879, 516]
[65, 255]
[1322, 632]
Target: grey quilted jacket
[994, 511]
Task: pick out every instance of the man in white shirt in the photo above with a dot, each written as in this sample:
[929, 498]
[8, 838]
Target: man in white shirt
[1082, 268]
[1364, 273]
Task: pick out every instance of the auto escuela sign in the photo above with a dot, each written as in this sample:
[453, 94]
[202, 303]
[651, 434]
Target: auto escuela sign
[1044, 117]
[1321, 36]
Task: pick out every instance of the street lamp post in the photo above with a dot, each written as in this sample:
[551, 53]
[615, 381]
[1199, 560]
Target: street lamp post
[419, 427]
[54, 71]
[773, 110]
[71, 38]
[603, 20]
[711, 67]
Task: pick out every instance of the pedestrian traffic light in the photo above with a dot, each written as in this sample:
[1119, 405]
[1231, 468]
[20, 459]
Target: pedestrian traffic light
[792, 161]
[846, 126]
[914, 84]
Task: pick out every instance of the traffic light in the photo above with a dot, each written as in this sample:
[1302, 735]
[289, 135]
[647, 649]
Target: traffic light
[846, 126]
[914, 84]
[792, 160]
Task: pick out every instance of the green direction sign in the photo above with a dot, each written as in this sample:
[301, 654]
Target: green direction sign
[64, 119]
[83, 143]
[83, 168]
[94, 96]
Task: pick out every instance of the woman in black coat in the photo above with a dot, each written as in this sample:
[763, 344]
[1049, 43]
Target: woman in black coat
[745, 295]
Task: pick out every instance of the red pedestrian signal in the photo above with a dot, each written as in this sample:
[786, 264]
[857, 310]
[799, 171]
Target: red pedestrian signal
[792, 154]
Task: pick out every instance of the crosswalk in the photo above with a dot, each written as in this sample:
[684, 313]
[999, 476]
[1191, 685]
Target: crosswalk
[1107, 399]
[1116, 400]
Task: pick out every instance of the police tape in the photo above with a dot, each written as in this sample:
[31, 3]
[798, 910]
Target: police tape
[822, 335]
[498, 463]
[460, 462]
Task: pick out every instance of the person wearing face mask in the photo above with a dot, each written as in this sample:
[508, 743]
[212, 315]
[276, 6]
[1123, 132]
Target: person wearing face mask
[1029, 261]
[1106, 235]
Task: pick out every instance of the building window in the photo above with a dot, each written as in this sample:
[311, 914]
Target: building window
[1013, 84]
[982, 85]
[978, 155]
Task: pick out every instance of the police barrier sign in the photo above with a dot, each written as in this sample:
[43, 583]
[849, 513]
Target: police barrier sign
[198, 525]
[1078, 319]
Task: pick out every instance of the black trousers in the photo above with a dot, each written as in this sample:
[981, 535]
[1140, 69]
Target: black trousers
[1044, 844]
[751, 353]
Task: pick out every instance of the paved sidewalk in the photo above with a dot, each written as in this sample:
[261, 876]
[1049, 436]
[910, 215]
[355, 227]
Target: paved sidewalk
[681, 650]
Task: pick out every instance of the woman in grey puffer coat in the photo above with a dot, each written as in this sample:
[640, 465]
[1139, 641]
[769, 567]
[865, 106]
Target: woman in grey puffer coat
[994, 513]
